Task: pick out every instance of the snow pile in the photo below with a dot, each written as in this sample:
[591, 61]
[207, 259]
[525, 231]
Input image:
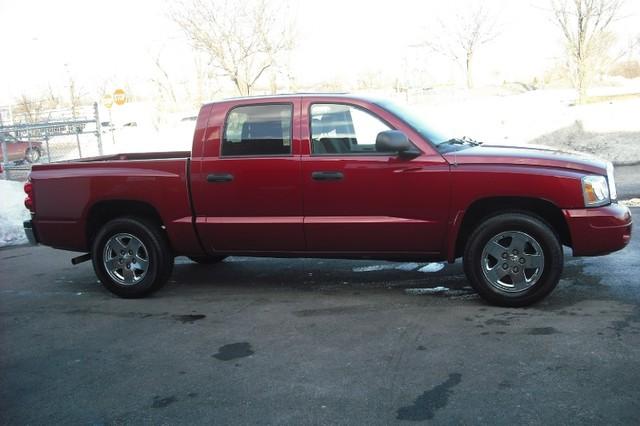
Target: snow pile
[634, 202]
[12, 213]
[407, 267]
[432, 267]
[463, 293]
[428, 290]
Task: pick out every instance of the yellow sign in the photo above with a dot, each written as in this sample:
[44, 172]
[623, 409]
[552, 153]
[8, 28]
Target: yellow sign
[119, 97]
[107, 100]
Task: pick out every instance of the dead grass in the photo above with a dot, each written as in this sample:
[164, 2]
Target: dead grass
[611, 98]
[621, 148]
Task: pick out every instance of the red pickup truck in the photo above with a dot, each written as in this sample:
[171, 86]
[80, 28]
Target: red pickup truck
[332, 176]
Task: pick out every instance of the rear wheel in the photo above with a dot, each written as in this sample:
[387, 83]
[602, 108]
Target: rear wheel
[207, 260]
[32, 155]
[513, 259]
[132, 257]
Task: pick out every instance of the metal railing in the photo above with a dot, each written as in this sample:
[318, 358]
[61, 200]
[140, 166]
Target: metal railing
[63, 135]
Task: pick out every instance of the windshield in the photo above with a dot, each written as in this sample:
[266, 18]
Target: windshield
[418, 123]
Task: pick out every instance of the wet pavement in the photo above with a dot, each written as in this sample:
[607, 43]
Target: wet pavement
[309, 341]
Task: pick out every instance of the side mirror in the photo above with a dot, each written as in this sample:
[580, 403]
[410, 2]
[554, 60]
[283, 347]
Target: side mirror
[395, 141]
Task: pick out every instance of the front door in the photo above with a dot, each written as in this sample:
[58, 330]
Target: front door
[361, 201]
[247, 189]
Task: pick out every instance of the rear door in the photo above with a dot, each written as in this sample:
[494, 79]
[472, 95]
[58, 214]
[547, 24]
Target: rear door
[360, 200]
[247, 190]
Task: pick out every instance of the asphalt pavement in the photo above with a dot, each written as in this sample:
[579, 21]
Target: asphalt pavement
[309, 341]
[628, 181]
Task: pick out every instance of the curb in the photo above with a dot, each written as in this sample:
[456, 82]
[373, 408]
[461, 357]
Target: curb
[625, 163]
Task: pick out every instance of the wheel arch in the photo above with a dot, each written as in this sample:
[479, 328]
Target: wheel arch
[481, 209]
[104, 211]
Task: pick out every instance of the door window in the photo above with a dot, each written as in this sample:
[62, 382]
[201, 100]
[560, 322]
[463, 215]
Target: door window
[338, 129]
[258, 130]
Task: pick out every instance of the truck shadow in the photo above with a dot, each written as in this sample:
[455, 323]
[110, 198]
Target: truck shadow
[330, 276]
[318, 274]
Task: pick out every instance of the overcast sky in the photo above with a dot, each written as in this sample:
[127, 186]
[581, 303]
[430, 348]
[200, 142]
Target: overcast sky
[45, 41]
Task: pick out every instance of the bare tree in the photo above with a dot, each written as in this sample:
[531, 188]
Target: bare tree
[28, 108]
[75, 97]
[584, 25]
[206, 83]
[460, 38]
[53, 99]
[243, 40]
[162, 81]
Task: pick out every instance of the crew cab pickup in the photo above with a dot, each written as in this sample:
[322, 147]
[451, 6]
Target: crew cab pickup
[333, 176]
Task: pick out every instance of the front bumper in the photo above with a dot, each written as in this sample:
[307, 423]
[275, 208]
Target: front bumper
[30, 231]
[597, 231]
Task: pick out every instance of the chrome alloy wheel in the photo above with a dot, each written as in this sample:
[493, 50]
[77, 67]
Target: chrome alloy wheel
[126, 259]
[512, 261]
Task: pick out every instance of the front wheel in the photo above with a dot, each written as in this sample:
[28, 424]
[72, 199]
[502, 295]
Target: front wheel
[513, 259]
[32, 155]
[131, 257]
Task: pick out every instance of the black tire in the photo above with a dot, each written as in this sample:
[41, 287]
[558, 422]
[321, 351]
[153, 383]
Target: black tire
[207, 260]
[154, 249]
[509, 228]
[32, 155]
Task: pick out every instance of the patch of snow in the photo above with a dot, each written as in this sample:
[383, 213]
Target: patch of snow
[372, 268]
[407, 267]
[633, 202]
[12, 213]
[432, 267]
[428, 290]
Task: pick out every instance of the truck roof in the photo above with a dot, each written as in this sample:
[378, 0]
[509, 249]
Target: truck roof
[292, 95]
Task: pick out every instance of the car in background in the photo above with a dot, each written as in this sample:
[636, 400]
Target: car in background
[107, 126]
[20, 151]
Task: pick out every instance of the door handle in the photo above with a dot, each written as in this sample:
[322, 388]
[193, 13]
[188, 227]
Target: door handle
[219, 177]
[327, 176]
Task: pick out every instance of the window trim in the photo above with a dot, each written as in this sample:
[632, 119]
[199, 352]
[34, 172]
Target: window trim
[349, 154]
[226, 121]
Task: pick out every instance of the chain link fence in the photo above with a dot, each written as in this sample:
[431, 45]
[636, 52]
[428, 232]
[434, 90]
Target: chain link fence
[56, 135]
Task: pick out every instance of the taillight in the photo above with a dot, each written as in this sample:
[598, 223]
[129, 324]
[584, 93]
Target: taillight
[28, 201]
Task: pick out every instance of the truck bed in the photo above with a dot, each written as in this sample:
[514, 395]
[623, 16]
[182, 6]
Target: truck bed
[68, 195]
[161, 155]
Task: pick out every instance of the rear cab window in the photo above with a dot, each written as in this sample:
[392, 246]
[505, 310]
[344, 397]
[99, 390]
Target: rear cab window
[258, 130]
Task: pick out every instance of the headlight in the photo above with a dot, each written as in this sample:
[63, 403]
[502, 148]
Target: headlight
[612, 182]
[595, 191]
